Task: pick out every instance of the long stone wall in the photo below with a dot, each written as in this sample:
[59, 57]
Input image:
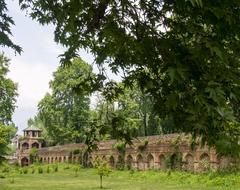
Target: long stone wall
[154, 152]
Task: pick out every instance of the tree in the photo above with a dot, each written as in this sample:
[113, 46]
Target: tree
[33, 154]
[6, 133]
[5, 32]
[103, 169]
[8, 93]
[184, 53]
[65, 112]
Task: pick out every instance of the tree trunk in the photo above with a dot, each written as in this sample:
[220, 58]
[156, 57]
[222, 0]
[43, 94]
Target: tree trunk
[145, 124]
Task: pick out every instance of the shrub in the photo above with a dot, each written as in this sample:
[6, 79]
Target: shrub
[76, 151]
[120, 146]
[33, 155]
[66, 167]
[33, 170]
[5, 168]
[48, 169]
[12, 180]
[2, 176]
[25, 170]
[40, 170]
[76, 169]
[55, 168]
[20, 171]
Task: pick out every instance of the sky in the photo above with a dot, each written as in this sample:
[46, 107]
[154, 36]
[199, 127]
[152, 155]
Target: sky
[32, 70]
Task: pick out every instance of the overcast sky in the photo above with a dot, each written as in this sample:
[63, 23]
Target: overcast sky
[33, 69]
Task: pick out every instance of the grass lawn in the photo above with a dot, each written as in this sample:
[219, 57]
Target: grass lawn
[86, 179]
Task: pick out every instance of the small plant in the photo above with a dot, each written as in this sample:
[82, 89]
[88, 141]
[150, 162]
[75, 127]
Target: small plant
[76, 151]
[55, 168]
[103, 169]
[67, 167]
[25, 170]
[76, 169]
[12, 180]
[2, 176]
[33, 170]
[120, 146]
[48, 169]
[5, 168]
[20, 171]
[40, 170]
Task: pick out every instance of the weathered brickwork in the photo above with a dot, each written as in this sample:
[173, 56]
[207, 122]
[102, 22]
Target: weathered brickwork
[160, 152]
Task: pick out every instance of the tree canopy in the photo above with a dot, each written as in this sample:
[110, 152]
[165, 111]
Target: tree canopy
[65, 112]
[5, 33]
[8, 93]
[184, 53]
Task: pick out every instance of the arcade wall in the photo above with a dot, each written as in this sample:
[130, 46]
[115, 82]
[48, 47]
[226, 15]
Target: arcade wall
[154, 152]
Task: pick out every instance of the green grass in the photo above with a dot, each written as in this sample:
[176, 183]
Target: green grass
[87, 179]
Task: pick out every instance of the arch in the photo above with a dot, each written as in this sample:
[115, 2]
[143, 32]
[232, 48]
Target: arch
[140, 163]
[175, 161]
[104, 158]
[52, 159]
[162, 162]
[189, 162]
[204, 162]
[150, 161]
[60, 159]
[90, 161]
[64, 159]
[35, 145]
[120, 162]
[222, 161]
[56, 159]
[25, 145]
[111, 161]
[24, 161]
[129, 161]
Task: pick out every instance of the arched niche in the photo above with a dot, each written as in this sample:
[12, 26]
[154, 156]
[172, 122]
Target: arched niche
[150, 161]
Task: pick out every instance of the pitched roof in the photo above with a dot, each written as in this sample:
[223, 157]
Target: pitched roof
[32, 128]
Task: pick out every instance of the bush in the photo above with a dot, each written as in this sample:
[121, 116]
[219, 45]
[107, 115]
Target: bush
[5, 169]
[48, 169]
[40, 170]
[67, 167]
[76, 151]
[120, 146]
[76, 169]
[25, 170]
[20, 171]
[12, 180]
[55, 168]
[2, 176]
[33, 169]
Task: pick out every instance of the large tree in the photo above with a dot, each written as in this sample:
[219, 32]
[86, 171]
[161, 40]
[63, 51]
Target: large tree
[185, 53]
[65, 112]
[8, 93]
[5, 24]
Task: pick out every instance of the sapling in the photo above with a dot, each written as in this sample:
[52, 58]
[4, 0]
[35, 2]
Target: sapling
[103, 169]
